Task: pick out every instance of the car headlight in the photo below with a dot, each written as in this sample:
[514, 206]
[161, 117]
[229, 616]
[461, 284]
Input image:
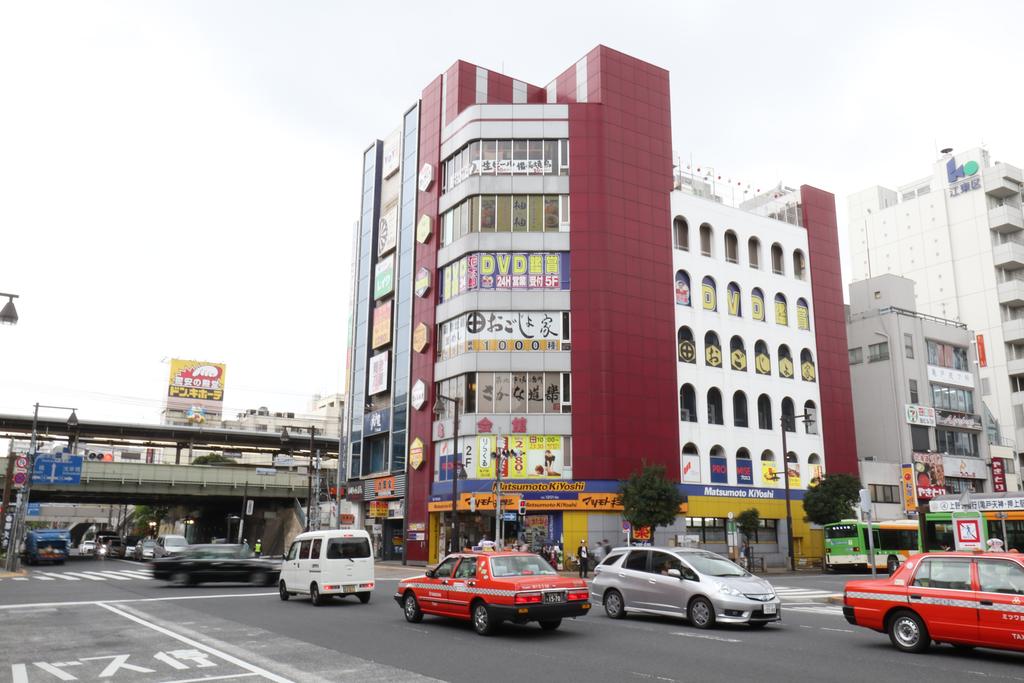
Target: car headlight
[728, 590]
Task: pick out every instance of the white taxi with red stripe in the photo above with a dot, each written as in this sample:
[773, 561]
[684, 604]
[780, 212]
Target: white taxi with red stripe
[491, 587]
[964, 599]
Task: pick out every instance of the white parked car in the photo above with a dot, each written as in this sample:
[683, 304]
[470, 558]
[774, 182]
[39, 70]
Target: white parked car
[325, 563]
[169, 545]
[87, 547]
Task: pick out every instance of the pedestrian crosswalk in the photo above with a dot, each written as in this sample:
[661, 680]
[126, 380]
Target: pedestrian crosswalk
[795, 594]
[97, 575]
[829, 610]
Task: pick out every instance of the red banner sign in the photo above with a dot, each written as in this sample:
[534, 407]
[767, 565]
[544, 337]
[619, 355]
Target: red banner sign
[998, 475]
[982, 360]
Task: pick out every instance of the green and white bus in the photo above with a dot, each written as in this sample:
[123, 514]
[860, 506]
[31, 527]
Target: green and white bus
[846, 544]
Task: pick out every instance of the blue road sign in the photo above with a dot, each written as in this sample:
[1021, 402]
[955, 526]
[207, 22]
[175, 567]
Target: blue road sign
[35, 509]
[66, 469]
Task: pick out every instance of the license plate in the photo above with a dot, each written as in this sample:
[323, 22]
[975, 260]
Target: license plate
[349, 589]
[550, 598]
[770, 608]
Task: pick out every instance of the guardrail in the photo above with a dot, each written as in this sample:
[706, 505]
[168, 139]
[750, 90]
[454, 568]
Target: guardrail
[216, 479]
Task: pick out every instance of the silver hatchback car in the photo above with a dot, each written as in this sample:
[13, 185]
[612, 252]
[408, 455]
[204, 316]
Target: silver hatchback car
[699, 585]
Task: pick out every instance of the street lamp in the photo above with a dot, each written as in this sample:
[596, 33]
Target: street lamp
[21, 505]
[9, 314]
[787, 420]
[457, 471]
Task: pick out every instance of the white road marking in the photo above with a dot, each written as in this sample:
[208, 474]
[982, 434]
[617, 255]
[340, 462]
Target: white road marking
[837, 630]
[111, 575]
[62, 576]
[198, 645]
[820, 609]
[211, 678]
[43, 578]
[704, 636]
[20, 578]
[83, 575]
[75, 603]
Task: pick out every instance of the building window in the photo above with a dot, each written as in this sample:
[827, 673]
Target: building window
[919, 439]
[739, 409]
[856, 355]
[754, 253]
[781, 310]
[811, 422]
[686, 350]
[764, 412]
[788, 415]
[877, 352]
[807, 371]
[737, 354]
[884, 493]
[502, 213]
[948, 356]
[709, 294]
[757, 305]
[682, 281]
[799, 265]
[908, 345]
[732, 248]
[681, 234]
[956, 443]
[505, 157]
[714, 406]
[687, 403]
[707, 237]
[962, 485]
[948, 398]
[785, 362]
[913, 391]
[733, 303]
[509, 393]
[778, 267]
[762, 360]
[803, 314]
[712, 350]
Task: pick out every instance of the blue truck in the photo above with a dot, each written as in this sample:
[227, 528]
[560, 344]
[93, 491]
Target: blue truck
[47, 545]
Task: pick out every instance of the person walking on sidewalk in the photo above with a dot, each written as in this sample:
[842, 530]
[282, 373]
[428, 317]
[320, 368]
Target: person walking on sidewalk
[583, 556]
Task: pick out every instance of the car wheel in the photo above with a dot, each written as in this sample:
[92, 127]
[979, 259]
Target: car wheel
[411, 608]
[908, 632]
[282, 591]
[550, 625]
[181, 579]
[892, 564]
[701, 613]
[315, 597]
[483, 622]
[614, 605]
[364, 597]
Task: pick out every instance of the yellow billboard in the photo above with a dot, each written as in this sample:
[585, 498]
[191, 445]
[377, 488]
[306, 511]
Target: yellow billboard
[196, 380]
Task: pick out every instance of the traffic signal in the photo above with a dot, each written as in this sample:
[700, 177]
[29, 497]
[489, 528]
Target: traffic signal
[522, 506]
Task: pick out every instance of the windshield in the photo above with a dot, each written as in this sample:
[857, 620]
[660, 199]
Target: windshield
[148, 544]
[174, 541]
[520, 565]
[714, 565]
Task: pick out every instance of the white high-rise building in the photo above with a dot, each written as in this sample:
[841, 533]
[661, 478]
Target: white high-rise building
[959, 233]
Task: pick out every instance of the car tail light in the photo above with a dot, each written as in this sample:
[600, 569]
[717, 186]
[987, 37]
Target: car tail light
[366, 585]
[528, 598]
[579, 595]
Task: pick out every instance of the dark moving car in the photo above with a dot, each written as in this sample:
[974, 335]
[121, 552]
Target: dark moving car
[209, 563]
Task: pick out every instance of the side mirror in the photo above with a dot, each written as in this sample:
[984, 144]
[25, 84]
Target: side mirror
[675, 573]
[431, 572]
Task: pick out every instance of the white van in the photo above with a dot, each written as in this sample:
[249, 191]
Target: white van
[326, 563]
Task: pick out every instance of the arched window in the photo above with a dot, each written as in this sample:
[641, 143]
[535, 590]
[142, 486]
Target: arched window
[732, 299]
[732, 247]
[737, 354]
[778, 265]
[708, 294]
[807, 373]
[788, 415]
[757, 304]
[687, 403]
[785, 362]
[707, 238]
[781, 309]
[681, 234]
[803, 314]
[754, 253]
[714, 406]
[744, 468]
[712, 350]
[811, 422]
[682, 288]
[739, 410]
[815, 469]
[689, 466]
[685, 349]
[793, 470]
[764, 412]
[762, 359]
[769, 473]
[799, 266]
[719, 465]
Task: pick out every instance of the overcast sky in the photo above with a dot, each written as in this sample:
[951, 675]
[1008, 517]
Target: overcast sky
[180, 179]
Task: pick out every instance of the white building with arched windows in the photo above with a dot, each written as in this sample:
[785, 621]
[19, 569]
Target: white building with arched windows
[746, 359]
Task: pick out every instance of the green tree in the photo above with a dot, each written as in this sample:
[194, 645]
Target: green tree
[747, 522]
[144, 514]
[212, 459]
[832, 499]
[649, 498]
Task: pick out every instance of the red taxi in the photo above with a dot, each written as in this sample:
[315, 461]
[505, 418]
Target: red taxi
[491, 587]
[964, 599]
